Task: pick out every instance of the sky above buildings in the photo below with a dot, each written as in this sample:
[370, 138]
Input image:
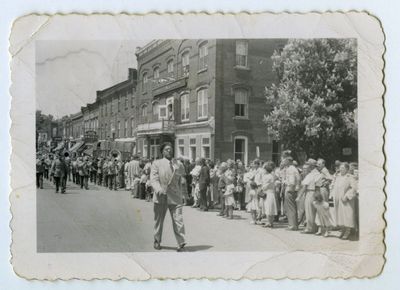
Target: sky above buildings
[68, 73]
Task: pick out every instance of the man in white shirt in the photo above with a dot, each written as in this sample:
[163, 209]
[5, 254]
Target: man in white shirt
[291, 186]
[312, 184]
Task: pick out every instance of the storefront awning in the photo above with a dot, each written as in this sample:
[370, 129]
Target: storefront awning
[76, 146]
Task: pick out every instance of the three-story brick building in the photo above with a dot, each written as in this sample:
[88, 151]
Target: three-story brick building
[205, 96]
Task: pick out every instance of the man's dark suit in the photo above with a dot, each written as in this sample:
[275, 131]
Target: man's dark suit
[204, 182]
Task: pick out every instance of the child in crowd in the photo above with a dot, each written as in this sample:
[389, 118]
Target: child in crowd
[252, 205]
[229, 194]
[324, 216]
[195, 184]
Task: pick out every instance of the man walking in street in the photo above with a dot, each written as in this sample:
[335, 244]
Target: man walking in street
[112, 174]
[83, 169]
[59, 172]
[165, 178]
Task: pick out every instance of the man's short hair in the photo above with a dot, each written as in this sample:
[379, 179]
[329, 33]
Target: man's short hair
[163, 145]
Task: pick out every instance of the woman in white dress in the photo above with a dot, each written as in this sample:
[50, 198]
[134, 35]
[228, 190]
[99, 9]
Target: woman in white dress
[344, 193]
[268, 188]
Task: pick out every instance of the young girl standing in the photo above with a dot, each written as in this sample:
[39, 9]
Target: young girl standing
[324, 216]
[229, 193]
[252, 205]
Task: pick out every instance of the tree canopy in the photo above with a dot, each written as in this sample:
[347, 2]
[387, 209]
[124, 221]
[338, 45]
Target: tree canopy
[312, 106]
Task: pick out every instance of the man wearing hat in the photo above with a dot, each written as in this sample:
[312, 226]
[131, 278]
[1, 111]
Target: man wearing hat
[311, 183]
[166, 181]
[59, 172]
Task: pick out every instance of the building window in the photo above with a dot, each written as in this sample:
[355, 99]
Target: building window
[111, 108]
[241, 53]
[119, 104]
[156, 73]
[155, 109]
[105, 109]
[202, 104]
[185, 63]
[181, 147]
[170, 66]
[162, 112]
[154, 147]
[126, 101]
[240, 149]
[118, 129]
[144, 81]
[132, 127]
[145, 153]
[241, 103]
[192, 148]
[203, 56]
[126, 128]
[185, 107]
[143, 110]
[205, 148]
[132, 97]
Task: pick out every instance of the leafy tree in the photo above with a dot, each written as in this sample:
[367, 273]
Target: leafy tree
[312, 106]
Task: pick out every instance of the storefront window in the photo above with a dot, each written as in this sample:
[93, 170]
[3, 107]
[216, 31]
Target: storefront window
[181, 147]
[192, 148]
[205, 148]
[240, 149]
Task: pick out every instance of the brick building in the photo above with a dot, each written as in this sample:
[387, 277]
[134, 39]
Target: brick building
[117, 113]
[76, 124]
[205, 96]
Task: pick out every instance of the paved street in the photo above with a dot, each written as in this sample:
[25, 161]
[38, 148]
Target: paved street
[100, 220]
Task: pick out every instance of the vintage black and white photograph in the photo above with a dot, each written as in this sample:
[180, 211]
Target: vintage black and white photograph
[240, 142]
[246, 146]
